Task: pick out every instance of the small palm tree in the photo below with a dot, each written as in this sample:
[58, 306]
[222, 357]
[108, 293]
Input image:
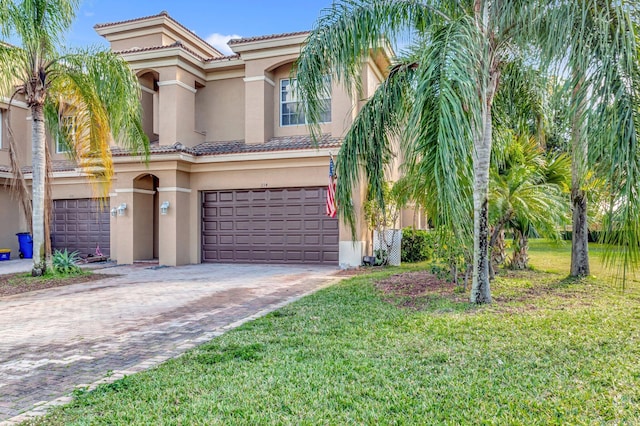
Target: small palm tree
[86, 98]
[438, 99]
[529, 195]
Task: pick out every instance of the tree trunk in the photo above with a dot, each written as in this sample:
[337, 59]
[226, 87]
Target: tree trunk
[480, 289]
[520, 259]
[38, 189]
[580, 233]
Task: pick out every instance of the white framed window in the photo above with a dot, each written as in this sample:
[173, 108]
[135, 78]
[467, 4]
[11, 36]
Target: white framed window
[291, 108]
[68, 127]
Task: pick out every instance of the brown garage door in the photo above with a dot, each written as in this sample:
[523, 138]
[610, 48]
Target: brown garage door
[268, 225]
[80, 225]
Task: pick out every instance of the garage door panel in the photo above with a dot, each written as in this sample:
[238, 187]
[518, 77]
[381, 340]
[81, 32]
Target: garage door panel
[258, 196]
[243, 196]
[226, 196]
[330, 256]
[210, 226]
[226, 225]
[210, 197]
[210, 239]
[329, 240]
[312, 256]
[312, 194]
[329, 225]
[269, 225]
[312, 225]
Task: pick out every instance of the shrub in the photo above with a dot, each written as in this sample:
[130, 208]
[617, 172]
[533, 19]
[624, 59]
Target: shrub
[417, 245]
[65, 262]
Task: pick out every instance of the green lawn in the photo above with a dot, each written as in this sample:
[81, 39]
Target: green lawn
[548, 351]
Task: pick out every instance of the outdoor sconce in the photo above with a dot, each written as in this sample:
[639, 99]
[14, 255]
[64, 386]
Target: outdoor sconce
[114, 212]
[164, 207]
[121, 208]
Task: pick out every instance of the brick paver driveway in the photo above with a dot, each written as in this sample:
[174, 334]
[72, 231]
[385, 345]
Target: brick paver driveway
[54, 340]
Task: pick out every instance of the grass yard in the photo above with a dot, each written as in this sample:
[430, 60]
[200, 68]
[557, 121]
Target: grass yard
[548, 351]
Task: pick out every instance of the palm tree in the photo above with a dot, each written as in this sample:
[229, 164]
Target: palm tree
[438, 98]
[528, 195]
[88, 98]
[604, 73]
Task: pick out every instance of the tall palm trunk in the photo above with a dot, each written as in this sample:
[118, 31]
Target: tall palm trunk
[38, 188]
[580, 234]
[480, 289]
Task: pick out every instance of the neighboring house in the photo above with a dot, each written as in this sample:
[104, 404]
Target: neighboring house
[231, 158]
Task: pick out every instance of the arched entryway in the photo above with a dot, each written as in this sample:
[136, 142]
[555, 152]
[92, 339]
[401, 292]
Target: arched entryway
[145, 220]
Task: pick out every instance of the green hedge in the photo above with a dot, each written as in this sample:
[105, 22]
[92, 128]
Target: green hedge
[417, 245]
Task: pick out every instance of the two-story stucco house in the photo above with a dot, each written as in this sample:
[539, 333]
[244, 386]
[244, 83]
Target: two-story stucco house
[233, 175]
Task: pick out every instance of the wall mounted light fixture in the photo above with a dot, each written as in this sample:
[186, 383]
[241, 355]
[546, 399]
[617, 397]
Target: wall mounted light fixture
[114, 212]
[121, 208]
[164, 207]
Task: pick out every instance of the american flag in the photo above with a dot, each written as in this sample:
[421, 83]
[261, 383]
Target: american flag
[331, 190]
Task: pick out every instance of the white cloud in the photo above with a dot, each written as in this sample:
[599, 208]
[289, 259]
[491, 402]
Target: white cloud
[219, 41]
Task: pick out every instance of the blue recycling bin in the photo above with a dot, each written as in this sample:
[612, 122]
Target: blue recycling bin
[26, 245]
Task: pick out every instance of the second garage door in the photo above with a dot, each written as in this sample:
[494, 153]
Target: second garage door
[80, 225]
[286, 225]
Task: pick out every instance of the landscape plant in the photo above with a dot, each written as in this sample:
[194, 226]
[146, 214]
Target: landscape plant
[65, 262]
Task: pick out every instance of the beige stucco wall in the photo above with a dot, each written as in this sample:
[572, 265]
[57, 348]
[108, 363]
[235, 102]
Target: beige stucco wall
[72, 187]
[140, 41]
[10, 221]
[21, 127]
[220, 110]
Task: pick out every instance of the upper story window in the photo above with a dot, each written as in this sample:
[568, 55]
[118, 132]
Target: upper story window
[68, 127]
[291, 108]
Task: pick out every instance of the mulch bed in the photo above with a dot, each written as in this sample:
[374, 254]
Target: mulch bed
[21, 283]
[414, 289]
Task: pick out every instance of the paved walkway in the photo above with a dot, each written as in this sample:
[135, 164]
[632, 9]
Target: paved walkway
[52, 341]
[15, 265]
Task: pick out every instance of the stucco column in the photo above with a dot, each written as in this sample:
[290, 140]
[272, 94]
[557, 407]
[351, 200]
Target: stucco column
[122, 228]
[176, 106]
[174, 241]
[353, 247]
[259, 100]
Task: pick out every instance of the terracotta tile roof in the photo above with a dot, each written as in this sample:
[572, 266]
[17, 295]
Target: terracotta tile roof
[163, 13]
[223, 58]
[142, 18]
[266, 37]
[272, 145]
[57, 166]
[168, 46]
[288, 143]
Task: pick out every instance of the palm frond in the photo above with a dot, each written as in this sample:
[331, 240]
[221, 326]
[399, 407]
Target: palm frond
[344, 35]
[368, 143]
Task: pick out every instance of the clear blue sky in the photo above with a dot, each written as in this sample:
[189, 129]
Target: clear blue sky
[205, 18]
